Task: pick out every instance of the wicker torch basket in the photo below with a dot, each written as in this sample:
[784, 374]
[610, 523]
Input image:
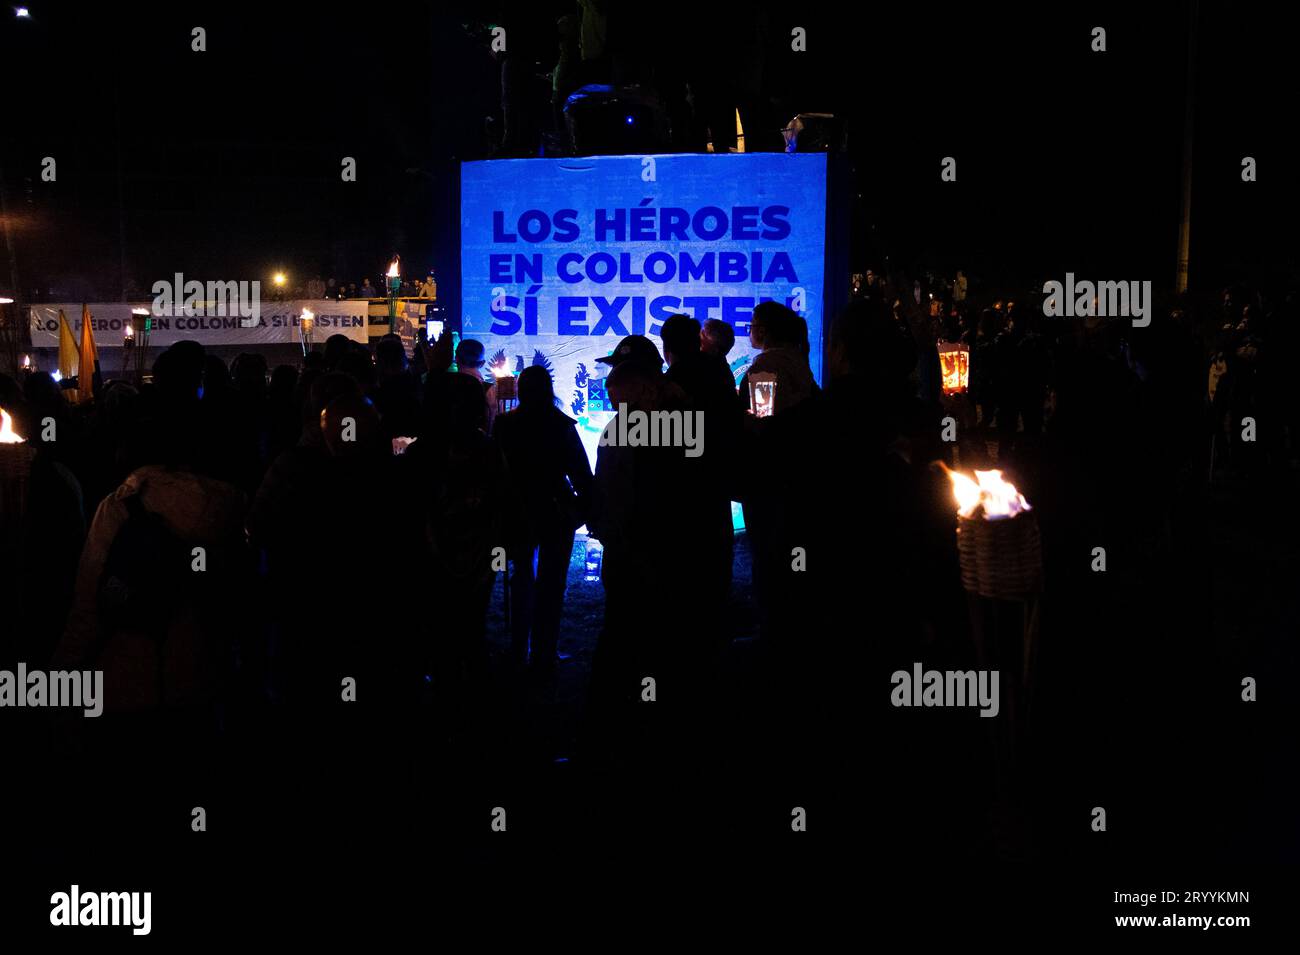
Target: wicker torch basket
[1000, 559]
[507, 387]
[15, 470]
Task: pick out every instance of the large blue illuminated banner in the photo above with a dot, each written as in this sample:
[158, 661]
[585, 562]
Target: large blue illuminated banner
[560, 258]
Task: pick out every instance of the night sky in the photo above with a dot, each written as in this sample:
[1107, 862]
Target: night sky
[230, 159]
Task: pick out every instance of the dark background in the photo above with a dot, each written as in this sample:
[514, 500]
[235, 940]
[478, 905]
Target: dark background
[225, 165]
[228, 161]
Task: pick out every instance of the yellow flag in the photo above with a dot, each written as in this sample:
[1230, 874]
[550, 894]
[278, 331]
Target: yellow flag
[68, 354]
[89, 354]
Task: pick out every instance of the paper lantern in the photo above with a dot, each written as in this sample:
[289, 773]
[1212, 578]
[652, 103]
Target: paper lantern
[954, 363]
[762, 393]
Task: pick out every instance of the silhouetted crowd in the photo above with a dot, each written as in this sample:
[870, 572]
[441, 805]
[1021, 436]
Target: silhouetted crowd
[238, 535]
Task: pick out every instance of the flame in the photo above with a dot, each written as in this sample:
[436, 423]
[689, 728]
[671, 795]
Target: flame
[308, 316]
[392, 272]
[27, 361]
[7, 433]
[130, 331]
[997, 497]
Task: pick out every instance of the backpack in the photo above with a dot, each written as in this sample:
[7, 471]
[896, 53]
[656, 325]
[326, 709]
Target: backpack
[144, 577]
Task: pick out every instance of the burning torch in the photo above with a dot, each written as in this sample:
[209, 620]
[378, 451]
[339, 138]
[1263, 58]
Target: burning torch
[394, 277]
[136, 340]
[306, 322]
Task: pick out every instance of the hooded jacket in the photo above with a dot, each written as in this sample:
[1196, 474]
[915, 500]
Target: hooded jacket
[184, 665]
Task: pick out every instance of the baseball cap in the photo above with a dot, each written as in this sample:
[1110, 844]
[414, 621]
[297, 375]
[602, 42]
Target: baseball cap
[636, 348]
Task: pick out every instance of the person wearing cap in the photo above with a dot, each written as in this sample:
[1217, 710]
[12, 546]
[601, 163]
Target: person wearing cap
[646, 504]
[640, 351]
[635, 348]
[635, 369]
[470, 359]
[623, 518]
[623, 522]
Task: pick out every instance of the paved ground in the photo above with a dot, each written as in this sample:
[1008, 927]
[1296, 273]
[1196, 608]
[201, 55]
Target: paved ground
[545, 714]
[1136, 699]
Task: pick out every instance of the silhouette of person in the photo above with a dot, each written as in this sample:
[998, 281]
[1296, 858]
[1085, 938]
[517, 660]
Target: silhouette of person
[550, 471]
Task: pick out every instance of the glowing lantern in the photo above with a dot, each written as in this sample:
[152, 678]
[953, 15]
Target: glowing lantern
[595, 555]
[954, 363]
[762, 393]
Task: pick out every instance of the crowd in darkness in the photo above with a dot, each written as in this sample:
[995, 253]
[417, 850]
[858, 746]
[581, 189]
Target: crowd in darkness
[309, 521]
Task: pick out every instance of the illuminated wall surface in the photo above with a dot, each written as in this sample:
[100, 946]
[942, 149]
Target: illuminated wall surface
[560, 258]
